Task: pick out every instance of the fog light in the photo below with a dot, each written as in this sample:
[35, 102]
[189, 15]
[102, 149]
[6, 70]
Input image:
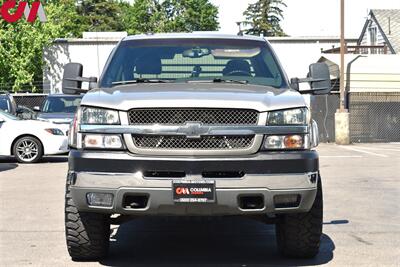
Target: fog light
[287, 201]
[274, 142]
[112, 141]
[100, 199]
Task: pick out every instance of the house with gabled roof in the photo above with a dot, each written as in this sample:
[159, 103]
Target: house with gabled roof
[382, 28]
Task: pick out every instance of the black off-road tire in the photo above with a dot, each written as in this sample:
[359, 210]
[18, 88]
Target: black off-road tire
[87, 234]
[299, 235]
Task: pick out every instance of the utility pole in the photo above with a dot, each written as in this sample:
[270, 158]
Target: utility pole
[239, 23]
[342, 116]
[342, 51]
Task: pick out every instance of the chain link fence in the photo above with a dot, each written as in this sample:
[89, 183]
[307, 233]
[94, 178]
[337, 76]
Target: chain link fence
[375, 117]
[29, 100]
[323, 109]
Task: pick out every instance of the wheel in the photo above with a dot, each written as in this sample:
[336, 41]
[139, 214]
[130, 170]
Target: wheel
[28, 149]
[298, 235]
[87, 234]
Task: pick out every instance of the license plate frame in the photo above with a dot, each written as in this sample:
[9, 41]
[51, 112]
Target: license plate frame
[193, 191]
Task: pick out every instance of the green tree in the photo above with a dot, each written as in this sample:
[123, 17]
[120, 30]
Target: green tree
[143, 16]
[22, 43]
[100, 15]
[264, 18]
[190, 15]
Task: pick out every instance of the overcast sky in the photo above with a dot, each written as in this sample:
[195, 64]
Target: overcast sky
[308, 17]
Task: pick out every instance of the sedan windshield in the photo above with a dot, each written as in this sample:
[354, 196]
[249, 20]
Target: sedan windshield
[59, 104]
[8, 116]
[191, 60]
[4, 104]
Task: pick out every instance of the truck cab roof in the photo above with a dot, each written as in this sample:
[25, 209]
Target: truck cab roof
[193, 35]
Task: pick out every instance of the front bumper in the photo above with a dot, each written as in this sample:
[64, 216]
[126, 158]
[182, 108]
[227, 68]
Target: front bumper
[264, 174]
[55, 144]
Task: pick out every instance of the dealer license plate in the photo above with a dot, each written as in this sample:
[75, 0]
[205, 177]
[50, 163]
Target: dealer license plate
[194, 191]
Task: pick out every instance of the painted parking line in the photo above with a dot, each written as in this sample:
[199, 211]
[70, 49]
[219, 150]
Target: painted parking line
[363, 151]
[340, 156]
[379, 148]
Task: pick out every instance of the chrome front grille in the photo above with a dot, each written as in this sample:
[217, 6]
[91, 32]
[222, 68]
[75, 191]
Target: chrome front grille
[181, 116]
[191, 138]
[203, 143]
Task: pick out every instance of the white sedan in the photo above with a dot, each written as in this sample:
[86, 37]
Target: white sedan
[29, 140]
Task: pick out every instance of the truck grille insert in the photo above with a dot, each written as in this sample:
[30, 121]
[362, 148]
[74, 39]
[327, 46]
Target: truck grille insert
[181, 116]
[204, 143]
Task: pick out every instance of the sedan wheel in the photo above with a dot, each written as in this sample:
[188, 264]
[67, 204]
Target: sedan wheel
[28, 149]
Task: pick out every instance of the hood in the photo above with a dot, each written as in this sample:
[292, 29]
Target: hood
[194, 95]
[59, 118]
[37, 125]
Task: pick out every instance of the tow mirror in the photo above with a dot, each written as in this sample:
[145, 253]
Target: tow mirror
[72, 79]
[318, 78]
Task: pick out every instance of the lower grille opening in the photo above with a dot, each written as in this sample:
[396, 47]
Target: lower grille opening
[135, 201]
[223, 174]
[164, 174]
[287, 201]
[255, 202]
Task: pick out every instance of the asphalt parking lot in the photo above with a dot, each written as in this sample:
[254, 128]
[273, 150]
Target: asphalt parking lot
[361, 220]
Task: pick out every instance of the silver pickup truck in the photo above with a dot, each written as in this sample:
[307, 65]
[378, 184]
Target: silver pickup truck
[193, 125]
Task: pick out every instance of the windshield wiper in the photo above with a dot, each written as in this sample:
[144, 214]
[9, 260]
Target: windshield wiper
[219, 80]
[141, 80]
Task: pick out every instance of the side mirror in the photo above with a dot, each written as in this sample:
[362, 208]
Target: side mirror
[72, 79]
[36, 108]
[318, 78]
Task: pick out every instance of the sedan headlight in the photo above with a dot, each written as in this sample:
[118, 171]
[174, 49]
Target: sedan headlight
[99, 116]
[298, 116]
[54, 131]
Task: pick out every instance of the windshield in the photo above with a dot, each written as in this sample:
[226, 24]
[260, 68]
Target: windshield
[4, 104]
[185, 60]
[8, 115]
[61, 104]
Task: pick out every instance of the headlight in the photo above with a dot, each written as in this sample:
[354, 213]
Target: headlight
[277, 142]
[102, 141]
[298, 116]
[99, 116]
[54, 131]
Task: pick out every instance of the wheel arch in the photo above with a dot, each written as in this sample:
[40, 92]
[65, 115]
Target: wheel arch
[21, 136]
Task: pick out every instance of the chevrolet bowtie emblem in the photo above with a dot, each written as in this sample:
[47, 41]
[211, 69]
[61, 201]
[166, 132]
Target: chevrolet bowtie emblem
[193, 130]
